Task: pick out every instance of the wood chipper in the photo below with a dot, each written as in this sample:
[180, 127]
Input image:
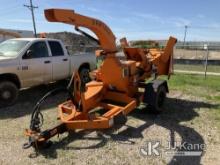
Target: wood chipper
[117, 86]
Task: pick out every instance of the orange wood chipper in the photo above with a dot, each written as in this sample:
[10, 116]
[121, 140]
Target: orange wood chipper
[117, 86]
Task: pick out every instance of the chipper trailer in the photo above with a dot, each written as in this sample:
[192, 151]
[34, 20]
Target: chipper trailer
[117, 86]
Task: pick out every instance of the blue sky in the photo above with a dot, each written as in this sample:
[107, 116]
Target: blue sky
[135, 19]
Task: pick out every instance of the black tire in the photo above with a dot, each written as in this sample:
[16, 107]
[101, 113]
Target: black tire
[120, 119]
[8, 93]
[157, 106]
[84, 75]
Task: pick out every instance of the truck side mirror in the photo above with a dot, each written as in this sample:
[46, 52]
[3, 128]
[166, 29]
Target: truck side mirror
[29, 54]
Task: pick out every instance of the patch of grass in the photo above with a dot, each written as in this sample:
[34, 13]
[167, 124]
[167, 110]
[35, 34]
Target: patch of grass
[200, 68]
[196, 85]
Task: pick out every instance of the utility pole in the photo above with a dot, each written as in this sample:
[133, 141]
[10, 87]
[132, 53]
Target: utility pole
[206, 47]
[31, 7]
[184, 40]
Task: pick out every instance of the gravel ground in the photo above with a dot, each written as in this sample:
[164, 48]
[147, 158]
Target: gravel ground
[185, 119]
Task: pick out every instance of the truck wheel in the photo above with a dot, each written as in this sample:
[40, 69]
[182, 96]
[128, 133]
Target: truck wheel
[8, 93]
[84, 75]
[157, 106]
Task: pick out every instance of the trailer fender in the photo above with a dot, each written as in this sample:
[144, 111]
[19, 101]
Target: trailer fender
[151, 89]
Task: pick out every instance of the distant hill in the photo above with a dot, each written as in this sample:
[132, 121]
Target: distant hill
[74, 42]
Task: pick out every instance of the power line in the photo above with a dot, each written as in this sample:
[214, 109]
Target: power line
[207, 27]
[31, 7]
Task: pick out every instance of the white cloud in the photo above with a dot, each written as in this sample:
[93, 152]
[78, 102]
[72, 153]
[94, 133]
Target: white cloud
[20, 20]
[147, 16]
[92, 9]
[179, 21]
[23, 21]
[214, 25]
[175, 21]
[201, 16]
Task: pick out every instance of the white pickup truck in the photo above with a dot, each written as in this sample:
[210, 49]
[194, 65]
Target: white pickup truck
[27, 62]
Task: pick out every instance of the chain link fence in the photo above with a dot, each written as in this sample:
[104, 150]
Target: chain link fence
[203, 58]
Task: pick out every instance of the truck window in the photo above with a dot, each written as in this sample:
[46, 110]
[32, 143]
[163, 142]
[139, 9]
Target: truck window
[56, 48]
[39, 50]
[11, 48]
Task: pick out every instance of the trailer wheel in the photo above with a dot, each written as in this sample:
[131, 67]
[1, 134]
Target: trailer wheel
[8, 93]
[120, 119]
[157, 106]
[84, 75]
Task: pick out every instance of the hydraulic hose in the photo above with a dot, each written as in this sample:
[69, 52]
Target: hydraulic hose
[36, 116]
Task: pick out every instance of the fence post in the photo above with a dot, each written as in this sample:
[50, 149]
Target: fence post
[206, 59]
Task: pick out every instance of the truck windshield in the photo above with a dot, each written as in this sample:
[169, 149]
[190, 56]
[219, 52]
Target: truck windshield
[11, 48]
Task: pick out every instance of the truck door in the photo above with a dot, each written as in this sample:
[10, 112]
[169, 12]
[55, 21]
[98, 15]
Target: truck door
[60, 62]
[36, 66]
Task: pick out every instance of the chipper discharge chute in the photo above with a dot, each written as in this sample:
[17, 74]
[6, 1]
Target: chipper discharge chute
[115, 86]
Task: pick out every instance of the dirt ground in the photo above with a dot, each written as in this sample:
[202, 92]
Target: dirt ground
[185, 119]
